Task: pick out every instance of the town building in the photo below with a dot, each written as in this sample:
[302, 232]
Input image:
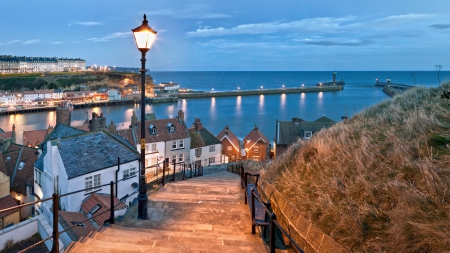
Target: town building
[24, 64]
[85, 161]
[288, 132]
[12, 217]
[8, 136]
[206, 149]
[17, 162]
[164, 138]
[256, 145]
[230, 145]
[42, 97]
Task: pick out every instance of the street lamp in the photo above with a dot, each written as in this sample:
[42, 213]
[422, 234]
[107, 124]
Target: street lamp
[144, 36]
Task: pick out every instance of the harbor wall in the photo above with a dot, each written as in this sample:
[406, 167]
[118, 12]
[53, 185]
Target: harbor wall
[258, 92]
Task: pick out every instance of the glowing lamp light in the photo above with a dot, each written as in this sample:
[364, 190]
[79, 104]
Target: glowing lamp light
[303, 84]
[144, 36]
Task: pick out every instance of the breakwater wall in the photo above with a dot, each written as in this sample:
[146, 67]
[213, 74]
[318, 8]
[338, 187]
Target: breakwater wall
[258, 92]
[159, 100]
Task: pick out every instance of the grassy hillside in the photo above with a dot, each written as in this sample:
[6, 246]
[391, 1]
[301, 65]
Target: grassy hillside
[379, 182]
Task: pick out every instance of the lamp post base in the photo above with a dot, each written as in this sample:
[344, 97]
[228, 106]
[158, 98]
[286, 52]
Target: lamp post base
[142, 206]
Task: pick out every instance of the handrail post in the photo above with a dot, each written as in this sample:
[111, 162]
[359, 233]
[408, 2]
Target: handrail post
[253, 211]
[273, 217]
[166, 161]
[173, 177]
[190, 169]
[55, 247]
[111, 215]
[242, 177]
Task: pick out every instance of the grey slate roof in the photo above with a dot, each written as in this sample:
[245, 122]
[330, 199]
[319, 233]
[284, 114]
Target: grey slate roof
[62, 131]
[287, 132]
[203, 138]
[92, 152]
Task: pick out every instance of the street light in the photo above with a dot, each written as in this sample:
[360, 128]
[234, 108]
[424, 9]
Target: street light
[144, 36]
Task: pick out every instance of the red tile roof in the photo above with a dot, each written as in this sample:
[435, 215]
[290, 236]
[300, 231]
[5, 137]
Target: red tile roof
[254, 136]
[104, 202]
[34, 138]
[226, 133]
[7, 202]
[6, 135]
[66, 218]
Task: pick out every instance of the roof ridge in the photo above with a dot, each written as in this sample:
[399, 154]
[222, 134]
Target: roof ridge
[114, 136]
[15, 167]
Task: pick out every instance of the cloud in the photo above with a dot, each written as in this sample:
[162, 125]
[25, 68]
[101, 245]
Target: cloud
[31, 42]
[441, 26]
[86, 23]
[337, 42]
[309, 25]
[190, 12]
[111, 36]
[56, 42]
[10, 42]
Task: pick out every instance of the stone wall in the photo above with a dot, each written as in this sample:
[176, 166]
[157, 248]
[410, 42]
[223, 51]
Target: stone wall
[309, 237]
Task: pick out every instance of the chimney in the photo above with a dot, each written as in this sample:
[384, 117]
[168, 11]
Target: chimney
[226, 129]
[181, 115]
[198, 125]
[295, 120]
[63, 115]
[97, 123]
[255, 129]
[112, 128]
[13, 130]
[49, 129]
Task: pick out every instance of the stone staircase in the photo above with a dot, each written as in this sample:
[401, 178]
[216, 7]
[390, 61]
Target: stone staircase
[203, 214]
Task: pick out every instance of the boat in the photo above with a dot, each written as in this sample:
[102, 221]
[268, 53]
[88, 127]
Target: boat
[334, 82]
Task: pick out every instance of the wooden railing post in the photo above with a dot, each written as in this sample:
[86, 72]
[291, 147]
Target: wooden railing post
[166, 161]
[173, 177]
[190, 169]
[253, 211]
[242, 176]
[111, 214]
[55, 247]
[273, 217]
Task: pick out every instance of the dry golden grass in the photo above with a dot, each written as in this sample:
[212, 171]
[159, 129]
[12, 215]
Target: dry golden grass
[379, 182]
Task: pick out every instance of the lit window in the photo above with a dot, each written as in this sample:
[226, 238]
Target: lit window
[229, 148]
[212, 148]
[256, 149]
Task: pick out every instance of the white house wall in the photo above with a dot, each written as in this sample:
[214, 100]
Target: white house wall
[206, 155]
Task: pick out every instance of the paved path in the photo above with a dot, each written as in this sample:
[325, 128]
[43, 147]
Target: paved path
[203, 214]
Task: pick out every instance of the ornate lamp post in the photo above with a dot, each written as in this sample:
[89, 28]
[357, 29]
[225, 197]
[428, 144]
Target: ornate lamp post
[144, 36]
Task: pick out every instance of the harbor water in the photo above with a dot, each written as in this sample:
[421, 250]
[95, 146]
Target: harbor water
[242, 113]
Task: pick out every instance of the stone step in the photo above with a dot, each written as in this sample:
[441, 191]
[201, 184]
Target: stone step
[160, 246]
[146, 233]
[194, 197]
[168, 240]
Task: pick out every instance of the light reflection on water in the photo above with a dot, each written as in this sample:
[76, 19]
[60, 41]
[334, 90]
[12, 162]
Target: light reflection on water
[239, 113]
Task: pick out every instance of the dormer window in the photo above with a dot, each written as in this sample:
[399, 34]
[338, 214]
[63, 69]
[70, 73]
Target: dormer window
[171, 127]
[308, 134]
[152, 129]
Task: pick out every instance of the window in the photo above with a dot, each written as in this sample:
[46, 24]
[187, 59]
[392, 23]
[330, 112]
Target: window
[174, 144]
[255, 158]
[154, 147]
[212, 160]
[212, 148]
[129, 172]
[147, 148]
[152, 129]
[174, 158]
[38, 177]
[308, 134]
[181, 143]
[229, 148]
[256, 149]
[198, 152]
[248, 141]
[180, 158]
[171, 127]
[92, 182]
[153, 161]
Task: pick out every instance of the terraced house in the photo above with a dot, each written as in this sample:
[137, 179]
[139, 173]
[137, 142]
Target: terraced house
[24, 64]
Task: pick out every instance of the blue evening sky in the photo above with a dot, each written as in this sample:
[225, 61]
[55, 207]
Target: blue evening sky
[208, 35]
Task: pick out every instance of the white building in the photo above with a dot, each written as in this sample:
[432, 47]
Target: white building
[72, 161]
[114, 94]
[23, 64]
[11, 98]
[206, 149]
[164, 138]
[41, 95]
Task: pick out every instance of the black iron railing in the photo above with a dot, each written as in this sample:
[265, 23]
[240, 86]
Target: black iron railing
[238, 168]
